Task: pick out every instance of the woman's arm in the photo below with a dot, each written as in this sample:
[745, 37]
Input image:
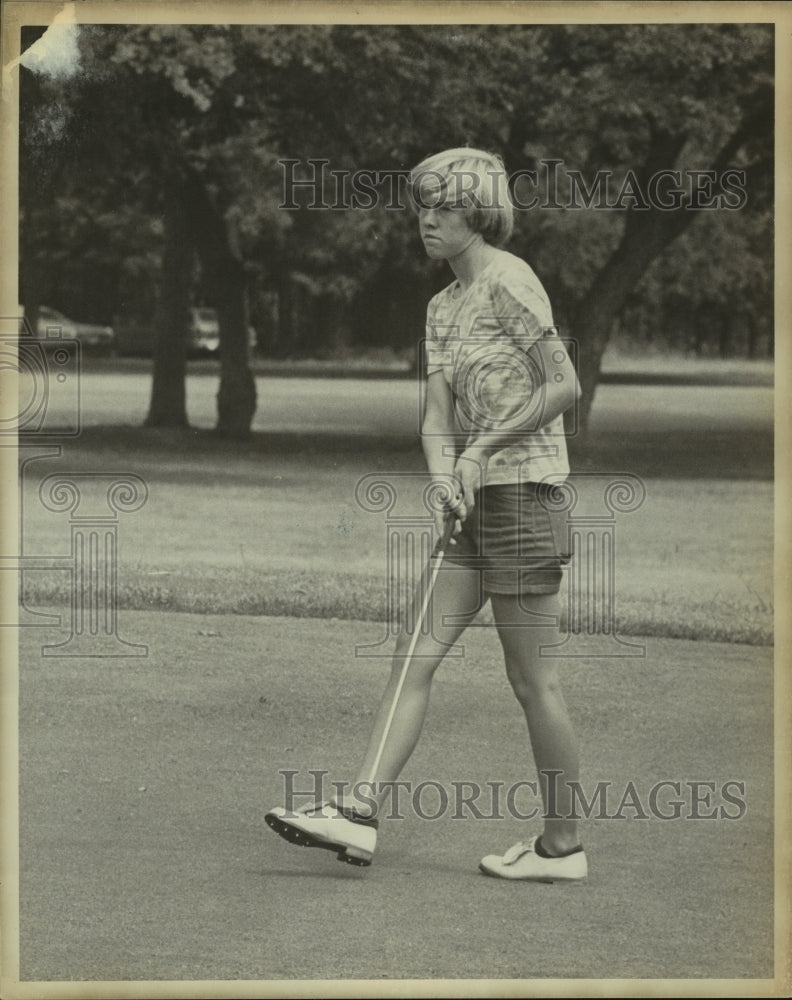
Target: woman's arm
[438, 429]
[439, 435]
[559, 389]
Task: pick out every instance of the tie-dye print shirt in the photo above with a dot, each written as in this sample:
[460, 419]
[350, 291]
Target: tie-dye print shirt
[480, 340]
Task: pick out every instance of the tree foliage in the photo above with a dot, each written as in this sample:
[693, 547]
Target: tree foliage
[186, 128]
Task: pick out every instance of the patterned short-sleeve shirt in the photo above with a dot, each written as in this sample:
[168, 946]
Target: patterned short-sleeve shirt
[480, 339]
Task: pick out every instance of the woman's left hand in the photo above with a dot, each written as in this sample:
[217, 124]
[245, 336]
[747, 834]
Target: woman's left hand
[470, 470]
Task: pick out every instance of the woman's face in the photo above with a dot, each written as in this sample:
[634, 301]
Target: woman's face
[445, 231]
[443, 223]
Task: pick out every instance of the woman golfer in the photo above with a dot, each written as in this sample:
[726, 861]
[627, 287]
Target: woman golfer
[498, 382]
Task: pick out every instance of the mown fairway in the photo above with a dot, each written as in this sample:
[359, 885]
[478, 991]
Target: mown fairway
[144, 781]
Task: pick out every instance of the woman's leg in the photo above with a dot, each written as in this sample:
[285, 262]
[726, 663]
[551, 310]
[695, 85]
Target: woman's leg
[457, 594]
[346, 827]
[534, 679]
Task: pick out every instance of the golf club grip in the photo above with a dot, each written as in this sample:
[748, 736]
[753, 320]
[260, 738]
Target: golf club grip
[445, 538]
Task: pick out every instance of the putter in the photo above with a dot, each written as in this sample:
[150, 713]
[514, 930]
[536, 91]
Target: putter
[437, 556]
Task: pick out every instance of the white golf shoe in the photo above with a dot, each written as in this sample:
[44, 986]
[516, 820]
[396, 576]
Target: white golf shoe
[335, 828]
[521, 862]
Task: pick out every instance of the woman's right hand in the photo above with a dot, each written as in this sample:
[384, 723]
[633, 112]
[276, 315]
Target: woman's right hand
[456, 509]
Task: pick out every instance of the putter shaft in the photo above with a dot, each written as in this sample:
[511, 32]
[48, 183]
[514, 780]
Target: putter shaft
[438, 561]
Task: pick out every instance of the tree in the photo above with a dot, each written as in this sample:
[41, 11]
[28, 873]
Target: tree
[635, 106]
[635, 100]
[173, 131]
[197, 121]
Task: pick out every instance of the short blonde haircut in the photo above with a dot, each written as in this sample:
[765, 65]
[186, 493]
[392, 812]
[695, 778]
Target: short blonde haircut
[472, 178]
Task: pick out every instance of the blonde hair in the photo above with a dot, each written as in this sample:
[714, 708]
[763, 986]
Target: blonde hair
[472, 178]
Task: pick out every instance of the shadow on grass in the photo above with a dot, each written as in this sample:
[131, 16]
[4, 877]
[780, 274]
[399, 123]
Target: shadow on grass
[688, 455]
[200, 457]
[685, 455]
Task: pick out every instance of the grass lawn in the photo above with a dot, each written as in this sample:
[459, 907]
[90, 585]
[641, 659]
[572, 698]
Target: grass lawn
[144, 781]
[274, 527]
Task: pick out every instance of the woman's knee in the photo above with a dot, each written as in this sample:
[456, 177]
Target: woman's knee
[420, 664]
[531, 685]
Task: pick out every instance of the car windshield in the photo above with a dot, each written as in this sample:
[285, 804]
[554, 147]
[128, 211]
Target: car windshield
[205, 314]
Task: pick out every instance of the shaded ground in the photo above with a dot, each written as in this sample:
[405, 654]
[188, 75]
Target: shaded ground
[353, 414]
[625, 369]
[280, 527]
[144, 784]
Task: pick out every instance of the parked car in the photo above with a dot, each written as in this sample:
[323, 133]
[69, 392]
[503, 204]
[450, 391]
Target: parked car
[52, 325]
[204, 332]
[203, 335]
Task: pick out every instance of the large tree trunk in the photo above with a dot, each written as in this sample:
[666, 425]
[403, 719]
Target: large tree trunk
[596, 313]
[284, 337]
[35, 191]
[224, 276]
[646, 234]
[168, 398]
[236, 396]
